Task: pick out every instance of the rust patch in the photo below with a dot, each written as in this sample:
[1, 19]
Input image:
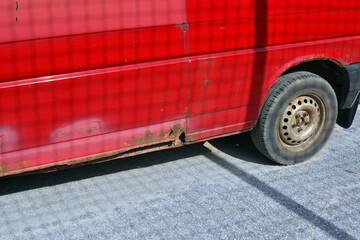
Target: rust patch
[149, 138]
[190, 139]
[147, 143]
[98, 158]
[163, 136]
[4, 167]
[128, 143]
[339, 62]
[347, 60]
[324, 57]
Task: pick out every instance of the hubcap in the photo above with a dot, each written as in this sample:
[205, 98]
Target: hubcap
[300, 120]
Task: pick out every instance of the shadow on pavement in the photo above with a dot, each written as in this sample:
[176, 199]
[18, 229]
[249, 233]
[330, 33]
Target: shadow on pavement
[282, 199]
[238, 146]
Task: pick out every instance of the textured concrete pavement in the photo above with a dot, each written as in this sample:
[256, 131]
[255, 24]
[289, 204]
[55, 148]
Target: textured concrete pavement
[224, 189]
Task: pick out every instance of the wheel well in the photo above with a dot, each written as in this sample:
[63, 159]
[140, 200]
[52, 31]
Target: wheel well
[326, 69]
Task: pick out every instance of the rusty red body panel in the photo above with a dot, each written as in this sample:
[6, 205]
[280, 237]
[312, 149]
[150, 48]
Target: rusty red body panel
[85, 80]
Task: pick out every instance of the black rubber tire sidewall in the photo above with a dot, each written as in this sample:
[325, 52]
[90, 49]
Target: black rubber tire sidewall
[301, 83]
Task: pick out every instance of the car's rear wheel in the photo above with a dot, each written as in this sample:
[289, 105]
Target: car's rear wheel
[297, 118]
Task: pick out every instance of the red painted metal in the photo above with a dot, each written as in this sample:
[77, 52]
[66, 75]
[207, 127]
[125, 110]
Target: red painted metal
[50, 56]
[65, 107]
[41, 19]
[204, 11]
[81, 80]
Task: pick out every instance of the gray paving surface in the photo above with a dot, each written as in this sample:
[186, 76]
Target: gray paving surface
[223, 190]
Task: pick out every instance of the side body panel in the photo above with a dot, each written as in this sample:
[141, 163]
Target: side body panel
[238, 49]
[83, 79]
[86, 79]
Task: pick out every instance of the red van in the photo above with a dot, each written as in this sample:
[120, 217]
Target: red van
[94, 80]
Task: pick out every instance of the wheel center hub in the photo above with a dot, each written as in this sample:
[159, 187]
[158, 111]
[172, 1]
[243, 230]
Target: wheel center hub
[300, 120]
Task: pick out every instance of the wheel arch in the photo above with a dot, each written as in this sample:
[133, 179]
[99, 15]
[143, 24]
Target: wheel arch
[326, 67]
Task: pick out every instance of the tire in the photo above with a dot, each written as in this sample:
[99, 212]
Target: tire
[297, 118]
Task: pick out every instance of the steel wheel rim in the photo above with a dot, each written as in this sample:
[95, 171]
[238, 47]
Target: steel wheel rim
[301, 122]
